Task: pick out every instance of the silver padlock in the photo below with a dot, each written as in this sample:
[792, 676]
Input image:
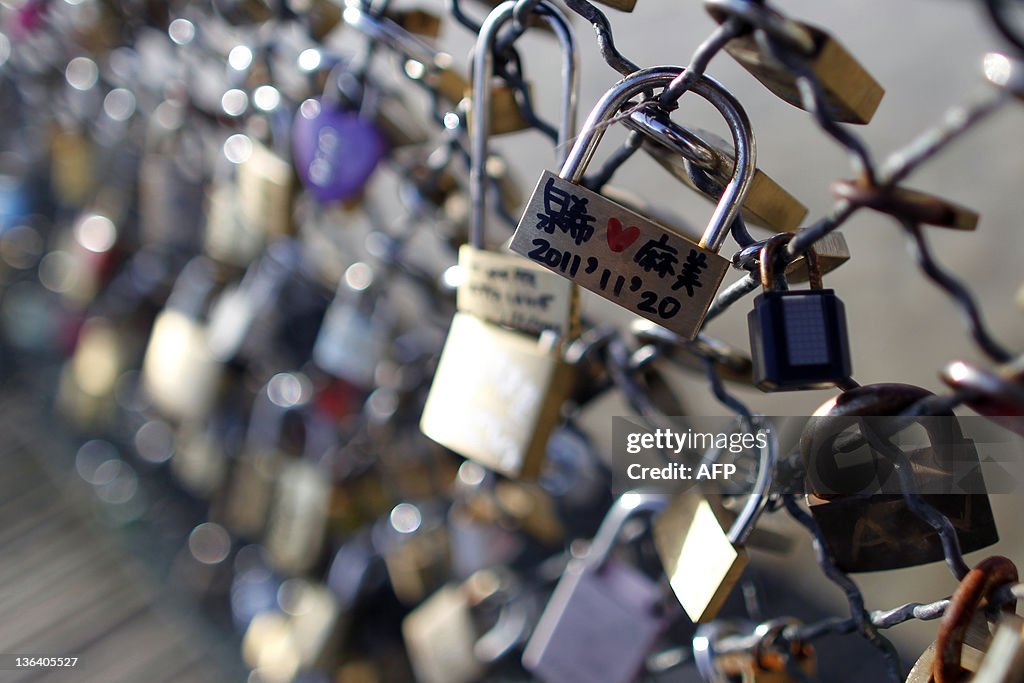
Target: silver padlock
[603, 617]
[648, 269]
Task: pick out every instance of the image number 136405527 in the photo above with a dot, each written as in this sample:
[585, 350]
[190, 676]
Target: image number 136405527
[612, 251]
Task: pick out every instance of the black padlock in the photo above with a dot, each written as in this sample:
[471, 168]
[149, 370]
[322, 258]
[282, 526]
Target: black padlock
[798, 339]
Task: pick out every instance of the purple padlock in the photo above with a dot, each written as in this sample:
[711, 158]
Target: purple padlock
[335, 151]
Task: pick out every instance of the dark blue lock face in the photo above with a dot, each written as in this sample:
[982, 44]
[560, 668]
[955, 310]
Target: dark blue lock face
[798, 340]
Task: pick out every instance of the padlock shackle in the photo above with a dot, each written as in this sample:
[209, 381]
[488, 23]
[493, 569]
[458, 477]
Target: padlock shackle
[758, 498]
[625, 506]
[728, 106]
[483, 73]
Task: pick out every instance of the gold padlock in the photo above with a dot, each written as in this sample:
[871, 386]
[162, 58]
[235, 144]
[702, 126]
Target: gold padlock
[71, 166]
[496, 396]
[767, 204]
[852, 94]
[266, 192]
[497, 393]
[506, 114]
[702, 549]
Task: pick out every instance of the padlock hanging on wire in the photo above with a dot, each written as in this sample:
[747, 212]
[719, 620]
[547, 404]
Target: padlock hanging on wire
[644, 267]
[498, 389]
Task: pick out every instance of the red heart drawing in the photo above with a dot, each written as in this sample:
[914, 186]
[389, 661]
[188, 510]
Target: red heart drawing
[620, 238]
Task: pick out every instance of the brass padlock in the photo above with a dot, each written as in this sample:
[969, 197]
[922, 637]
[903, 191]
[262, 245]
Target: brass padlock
[648, 269]
[441, 635]
[951, 658]
[248, 500]
[179, 372]
[71, 166]
[497, 392]
[266, 191]
[767, 204]
[88, 381]
[865, 520]
[1004, 659]
[852, 93]
[414, 542]
[227, 237]
[702, 557]
[506, 114]
[301, 637]
[496, 396]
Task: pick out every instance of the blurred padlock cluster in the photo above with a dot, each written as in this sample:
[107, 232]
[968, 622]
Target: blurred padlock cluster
[314, 341]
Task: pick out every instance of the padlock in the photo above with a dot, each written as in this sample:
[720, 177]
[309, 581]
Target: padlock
[950, 659]
[702, 557]
[335, 148]
[301, 637]
[604, 615]
[1004, 659]
[767, 204]
[227, 237]
[798, 338]
[865, 530]
[72, 165]
[502, 288]
[497, 392]
[88, 381]
[266, 190]
[831, 251]
[852, 94]
[505, 113]
[441, 635]
[249, 496]
[496, 396]
[646, 268]
[413, 541]
[298, 519]
[179, 374]
[303, 493]
[355, 332]
[199, 462]
[238, 308]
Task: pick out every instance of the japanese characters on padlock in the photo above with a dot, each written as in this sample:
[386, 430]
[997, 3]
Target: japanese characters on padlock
[618, 254]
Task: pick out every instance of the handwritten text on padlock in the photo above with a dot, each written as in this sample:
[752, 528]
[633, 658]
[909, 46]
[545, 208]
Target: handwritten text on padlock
[620, 255]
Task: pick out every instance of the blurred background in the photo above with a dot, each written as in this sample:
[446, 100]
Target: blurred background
[126, 519]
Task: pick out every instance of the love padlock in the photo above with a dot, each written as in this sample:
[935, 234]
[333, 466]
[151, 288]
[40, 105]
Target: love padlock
[865, 520]
[620, 255]
[335, 150]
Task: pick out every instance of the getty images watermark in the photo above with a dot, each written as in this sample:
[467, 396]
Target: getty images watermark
[828, 456]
